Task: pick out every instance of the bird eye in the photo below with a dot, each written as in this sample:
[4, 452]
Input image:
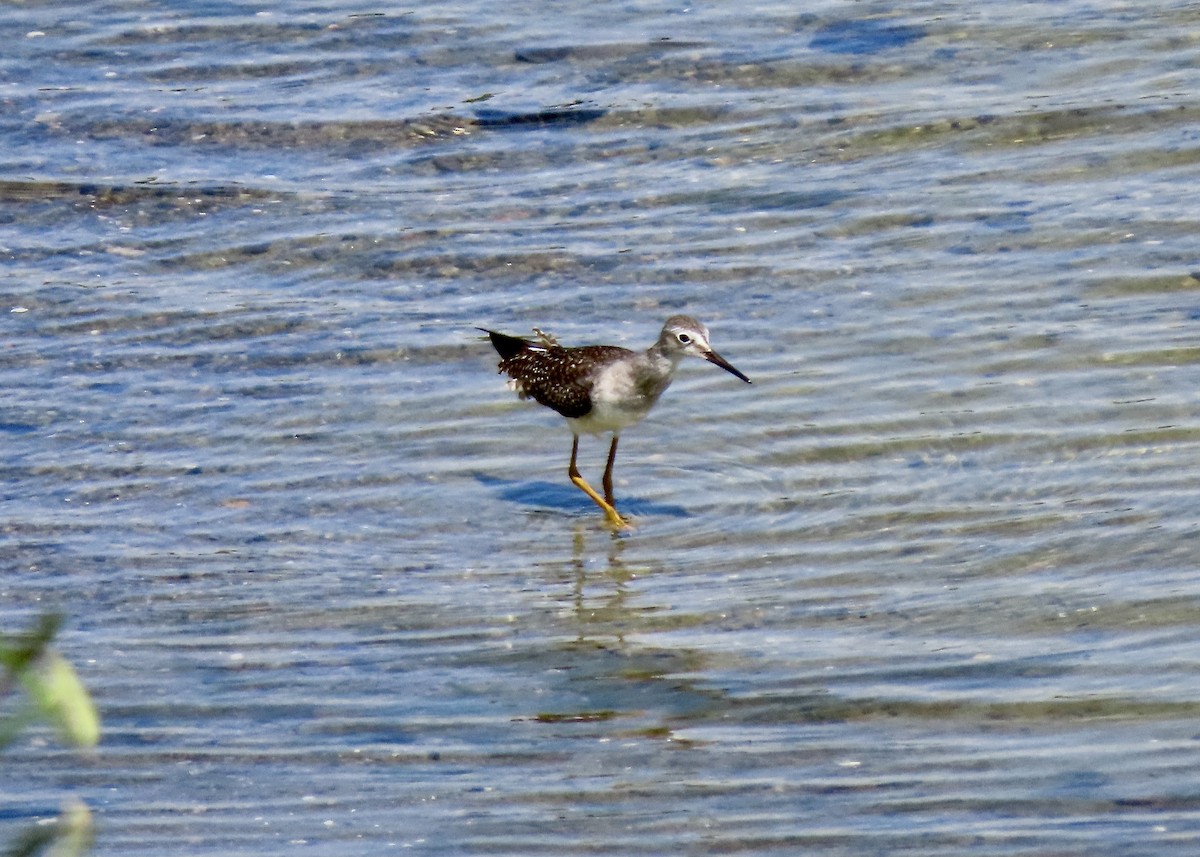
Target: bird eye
[684, 338]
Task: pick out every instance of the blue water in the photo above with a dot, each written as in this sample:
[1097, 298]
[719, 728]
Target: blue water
[927, 587]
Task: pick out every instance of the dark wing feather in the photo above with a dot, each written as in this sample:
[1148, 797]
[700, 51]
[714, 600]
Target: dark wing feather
[557, 377]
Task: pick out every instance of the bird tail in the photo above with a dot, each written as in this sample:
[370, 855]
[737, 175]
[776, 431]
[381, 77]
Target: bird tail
[507, 346]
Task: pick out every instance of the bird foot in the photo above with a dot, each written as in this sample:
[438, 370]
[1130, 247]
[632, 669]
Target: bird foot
[611, 515]
[619, 524]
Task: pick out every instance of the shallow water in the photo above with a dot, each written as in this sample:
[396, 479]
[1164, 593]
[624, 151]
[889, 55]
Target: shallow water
[927, 587]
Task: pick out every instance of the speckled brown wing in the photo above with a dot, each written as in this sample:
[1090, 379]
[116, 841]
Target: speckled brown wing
[554, 376]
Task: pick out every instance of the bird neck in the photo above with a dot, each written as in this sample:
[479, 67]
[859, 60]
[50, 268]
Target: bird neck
[660, 353]
[657, 367]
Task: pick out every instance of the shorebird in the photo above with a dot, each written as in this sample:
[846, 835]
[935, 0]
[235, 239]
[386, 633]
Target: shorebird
[601, 388]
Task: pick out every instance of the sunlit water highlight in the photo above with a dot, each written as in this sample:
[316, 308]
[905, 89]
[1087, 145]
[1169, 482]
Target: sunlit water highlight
[928, 587]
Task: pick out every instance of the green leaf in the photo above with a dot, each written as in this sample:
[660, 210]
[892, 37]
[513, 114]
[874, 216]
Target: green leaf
[61, 698]
[74, 831]
[69, 836]
[18, 651]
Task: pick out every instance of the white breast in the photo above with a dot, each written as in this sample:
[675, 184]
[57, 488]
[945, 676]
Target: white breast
[621, 396]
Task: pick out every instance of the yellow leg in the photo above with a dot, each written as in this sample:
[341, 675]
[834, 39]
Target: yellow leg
[614, 518]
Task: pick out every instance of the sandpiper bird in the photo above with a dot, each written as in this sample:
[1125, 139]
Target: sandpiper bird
[602, 388]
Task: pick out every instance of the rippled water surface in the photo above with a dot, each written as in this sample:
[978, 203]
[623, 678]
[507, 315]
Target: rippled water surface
[928, 587]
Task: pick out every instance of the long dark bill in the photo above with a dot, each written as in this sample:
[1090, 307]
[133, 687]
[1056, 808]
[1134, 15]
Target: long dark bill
[714, 357]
